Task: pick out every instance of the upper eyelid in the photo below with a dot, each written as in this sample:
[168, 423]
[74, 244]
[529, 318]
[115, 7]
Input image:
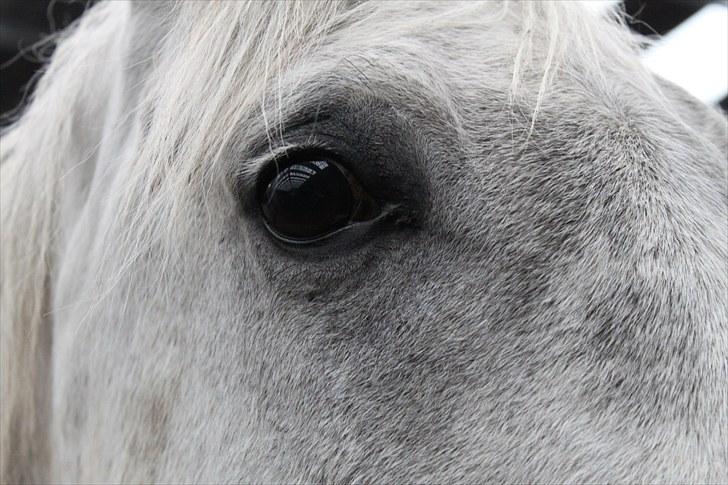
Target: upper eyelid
[245, 177]
[314, 141]
[304, 128]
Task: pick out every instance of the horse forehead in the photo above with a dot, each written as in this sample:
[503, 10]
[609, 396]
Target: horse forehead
[436, 71]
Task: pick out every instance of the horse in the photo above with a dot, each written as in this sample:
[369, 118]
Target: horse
[362, 242]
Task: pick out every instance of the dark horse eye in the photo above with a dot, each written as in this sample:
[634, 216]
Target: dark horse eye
[307, 199]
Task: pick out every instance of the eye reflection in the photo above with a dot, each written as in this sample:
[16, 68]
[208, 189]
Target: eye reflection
[310, 199]
[297, 175]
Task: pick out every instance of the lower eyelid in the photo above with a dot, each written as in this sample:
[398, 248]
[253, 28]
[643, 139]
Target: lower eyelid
[352, 230]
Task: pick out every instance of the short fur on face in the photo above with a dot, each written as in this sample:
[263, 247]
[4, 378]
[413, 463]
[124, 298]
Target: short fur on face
[551, 304]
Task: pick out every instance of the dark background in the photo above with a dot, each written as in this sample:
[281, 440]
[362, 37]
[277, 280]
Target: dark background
[23, 23]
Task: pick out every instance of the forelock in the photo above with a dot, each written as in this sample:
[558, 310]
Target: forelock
[219, 75]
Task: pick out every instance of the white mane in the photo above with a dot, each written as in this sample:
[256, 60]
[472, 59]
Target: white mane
[51, 137]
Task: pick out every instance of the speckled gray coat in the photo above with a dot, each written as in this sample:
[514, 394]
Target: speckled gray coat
[549, 305]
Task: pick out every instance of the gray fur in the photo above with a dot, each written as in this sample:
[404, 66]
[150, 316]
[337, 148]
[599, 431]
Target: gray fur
[550, 307]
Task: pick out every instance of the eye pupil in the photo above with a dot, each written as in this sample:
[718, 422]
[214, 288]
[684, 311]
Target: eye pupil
[308, 199]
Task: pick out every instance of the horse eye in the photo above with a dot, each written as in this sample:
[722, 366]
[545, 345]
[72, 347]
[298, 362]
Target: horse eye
[311, 198]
